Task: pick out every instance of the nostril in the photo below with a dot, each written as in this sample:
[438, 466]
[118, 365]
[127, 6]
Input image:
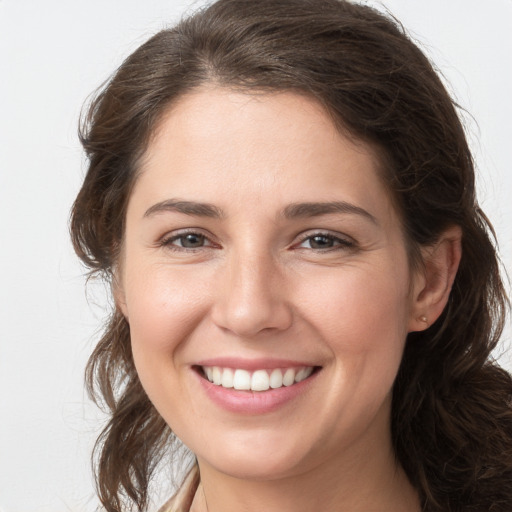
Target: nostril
[249, 319]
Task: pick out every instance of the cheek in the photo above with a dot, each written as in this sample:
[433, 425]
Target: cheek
[357, 309]
[362, 318]
[163, 306]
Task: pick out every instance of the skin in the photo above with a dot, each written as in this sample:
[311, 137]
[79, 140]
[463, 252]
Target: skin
[258, 288]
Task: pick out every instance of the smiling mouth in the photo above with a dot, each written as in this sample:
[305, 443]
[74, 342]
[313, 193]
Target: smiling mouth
[258, 380]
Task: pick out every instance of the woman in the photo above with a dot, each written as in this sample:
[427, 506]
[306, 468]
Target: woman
[307, 294]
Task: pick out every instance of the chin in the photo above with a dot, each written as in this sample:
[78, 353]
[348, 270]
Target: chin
[255, 459]
[255, 469]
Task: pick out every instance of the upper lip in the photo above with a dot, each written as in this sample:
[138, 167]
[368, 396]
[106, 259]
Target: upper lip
[253, 364]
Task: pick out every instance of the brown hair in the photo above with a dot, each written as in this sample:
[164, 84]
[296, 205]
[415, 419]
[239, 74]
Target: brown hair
[451, 413]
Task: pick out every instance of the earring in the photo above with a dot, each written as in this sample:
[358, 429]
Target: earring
[423, 319]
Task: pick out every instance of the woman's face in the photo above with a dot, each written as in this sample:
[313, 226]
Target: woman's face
[260, 246]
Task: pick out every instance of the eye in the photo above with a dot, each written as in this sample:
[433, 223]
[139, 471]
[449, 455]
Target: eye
[324, 241]
[188, 240]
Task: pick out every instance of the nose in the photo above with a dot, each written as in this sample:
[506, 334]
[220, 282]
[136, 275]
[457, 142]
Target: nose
[251, 297]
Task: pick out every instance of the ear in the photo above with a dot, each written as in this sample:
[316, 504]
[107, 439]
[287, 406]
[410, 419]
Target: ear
[118, 293]
[433, 282]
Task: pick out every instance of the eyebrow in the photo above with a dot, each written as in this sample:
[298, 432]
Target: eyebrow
[292, 211]
[300, 210]
[187, 207]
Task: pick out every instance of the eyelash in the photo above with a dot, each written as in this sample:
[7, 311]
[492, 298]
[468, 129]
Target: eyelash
[167, 241]
[339, 243]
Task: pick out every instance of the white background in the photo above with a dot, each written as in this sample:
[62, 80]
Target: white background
[53, 53]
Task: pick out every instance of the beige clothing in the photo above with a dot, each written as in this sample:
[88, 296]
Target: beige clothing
[182, 500]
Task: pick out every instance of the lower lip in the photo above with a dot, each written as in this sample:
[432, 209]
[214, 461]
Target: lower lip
[254, 402]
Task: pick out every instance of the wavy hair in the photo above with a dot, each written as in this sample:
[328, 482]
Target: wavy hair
[451, 410]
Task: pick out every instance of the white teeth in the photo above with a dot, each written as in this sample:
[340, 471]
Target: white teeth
[276, 378]
[303, 373]
[289, 377]
[217, 375]
[227, 378]
[260, 380]
[242, 380]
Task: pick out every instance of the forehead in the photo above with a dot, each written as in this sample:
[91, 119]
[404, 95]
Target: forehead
[217, 144]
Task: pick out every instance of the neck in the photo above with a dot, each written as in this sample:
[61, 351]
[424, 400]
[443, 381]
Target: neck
[371, 480]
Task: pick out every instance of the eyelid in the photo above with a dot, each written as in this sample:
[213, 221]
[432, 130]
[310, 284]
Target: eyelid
[167, 239]
[344, 240]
